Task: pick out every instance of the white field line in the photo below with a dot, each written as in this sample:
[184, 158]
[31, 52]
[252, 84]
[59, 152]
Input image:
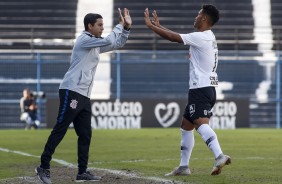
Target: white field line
[24, 179]
[117, 172]
[171, 159]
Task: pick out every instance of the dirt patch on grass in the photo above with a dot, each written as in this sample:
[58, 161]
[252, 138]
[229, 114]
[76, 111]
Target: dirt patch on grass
[66, 175]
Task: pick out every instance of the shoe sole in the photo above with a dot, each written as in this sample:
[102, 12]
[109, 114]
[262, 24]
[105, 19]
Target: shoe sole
[217, 170]
[179, 174]
[80, 181]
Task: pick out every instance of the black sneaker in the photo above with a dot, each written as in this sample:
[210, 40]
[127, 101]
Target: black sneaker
[87, 176]
[43, 175]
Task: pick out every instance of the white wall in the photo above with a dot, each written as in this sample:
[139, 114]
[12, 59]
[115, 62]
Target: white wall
[264, 37]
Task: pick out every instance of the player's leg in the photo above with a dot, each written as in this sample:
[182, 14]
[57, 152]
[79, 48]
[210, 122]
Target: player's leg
[187, 141]
[208, 135]
[82, 125]
[187, 145]
[210, 138]
[206, 100]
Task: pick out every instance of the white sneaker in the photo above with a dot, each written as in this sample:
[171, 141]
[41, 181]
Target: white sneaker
[180, 171]
[220, 162]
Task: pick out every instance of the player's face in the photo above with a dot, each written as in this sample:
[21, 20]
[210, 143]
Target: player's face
[97, 29]
[199, 20]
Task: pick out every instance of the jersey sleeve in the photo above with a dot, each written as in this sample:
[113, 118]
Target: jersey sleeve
[192, 39]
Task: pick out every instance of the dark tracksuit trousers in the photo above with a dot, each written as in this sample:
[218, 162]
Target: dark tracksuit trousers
[77, 109]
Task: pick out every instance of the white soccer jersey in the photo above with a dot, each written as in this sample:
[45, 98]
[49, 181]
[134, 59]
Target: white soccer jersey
[203, 55]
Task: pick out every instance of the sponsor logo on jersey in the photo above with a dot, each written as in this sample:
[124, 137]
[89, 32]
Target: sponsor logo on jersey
[214, 80]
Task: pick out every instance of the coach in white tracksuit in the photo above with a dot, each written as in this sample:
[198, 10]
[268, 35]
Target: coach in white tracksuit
[75, 89]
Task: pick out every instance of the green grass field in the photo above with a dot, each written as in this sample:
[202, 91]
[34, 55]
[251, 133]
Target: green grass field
[256, 153]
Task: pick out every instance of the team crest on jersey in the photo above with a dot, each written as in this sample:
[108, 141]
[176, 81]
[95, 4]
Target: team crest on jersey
[73, 104]
[192, 109]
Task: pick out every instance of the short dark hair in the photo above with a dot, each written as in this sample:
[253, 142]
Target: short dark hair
[212, 12]
[91, 18]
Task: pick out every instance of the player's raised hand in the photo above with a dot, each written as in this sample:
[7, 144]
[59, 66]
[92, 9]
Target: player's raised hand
[147, 18]
[156, 21]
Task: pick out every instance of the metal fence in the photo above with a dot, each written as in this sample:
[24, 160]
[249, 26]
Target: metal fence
[146, 74]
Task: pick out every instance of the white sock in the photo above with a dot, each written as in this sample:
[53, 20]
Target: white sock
[210, 138]
[187, 144]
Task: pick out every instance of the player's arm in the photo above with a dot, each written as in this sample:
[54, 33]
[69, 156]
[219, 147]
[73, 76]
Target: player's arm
[160, 30]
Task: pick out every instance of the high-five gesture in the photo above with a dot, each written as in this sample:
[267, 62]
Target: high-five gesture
[155, 26]
[156, 21]
[147, 18]
[125, 19]
[79, 89]
[150, 22]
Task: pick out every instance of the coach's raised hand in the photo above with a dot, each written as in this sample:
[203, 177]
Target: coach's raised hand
[125, 19]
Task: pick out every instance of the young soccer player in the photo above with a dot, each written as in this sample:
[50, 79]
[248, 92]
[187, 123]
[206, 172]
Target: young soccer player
[203, 55]
[75, 91]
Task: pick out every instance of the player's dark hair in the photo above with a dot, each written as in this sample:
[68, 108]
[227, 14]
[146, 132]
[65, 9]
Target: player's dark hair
[212, 12]
[91, 18]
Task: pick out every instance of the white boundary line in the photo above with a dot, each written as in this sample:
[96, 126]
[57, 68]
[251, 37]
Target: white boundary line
[24, 179]
[173, 159]
[117, 172]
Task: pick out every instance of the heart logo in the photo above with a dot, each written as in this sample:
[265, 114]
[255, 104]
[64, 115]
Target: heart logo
[172, 112]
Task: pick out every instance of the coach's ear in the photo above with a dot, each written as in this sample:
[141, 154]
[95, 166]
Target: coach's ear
[90, 26]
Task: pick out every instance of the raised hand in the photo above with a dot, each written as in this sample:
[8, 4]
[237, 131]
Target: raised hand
[125, 20]
[147, 18]
[121, 19]
[156, 21]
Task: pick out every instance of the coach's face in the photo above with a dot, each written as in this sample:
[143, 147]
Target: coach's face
[97, 29]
